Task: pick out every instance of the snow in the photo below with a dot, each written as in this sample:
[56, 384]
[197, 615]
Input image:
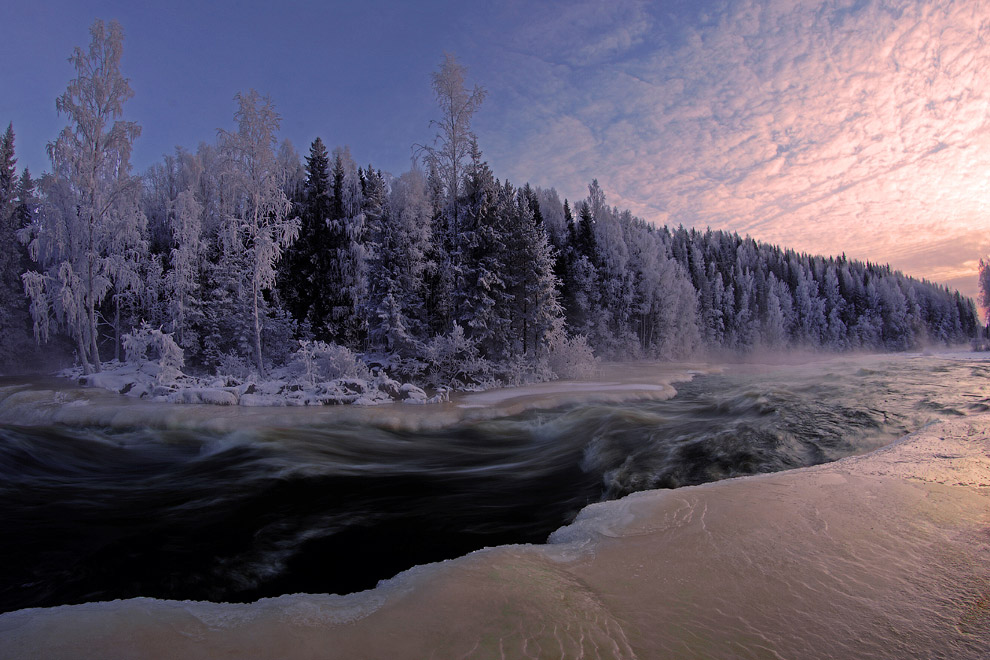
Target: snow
[413, 393]
[203, 395]
[137, 382]
[293, 386]
[282, 389]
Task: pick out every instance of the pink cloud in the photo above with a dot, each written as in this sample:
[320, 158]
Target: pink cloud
[839, 128]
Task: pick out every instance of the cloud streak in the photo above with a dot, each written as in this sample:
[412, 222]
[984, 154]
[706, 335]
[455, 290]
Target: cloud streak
[856, 127]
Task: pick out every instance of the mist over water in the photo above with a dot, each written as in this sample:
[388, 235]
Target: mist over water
[97, 514]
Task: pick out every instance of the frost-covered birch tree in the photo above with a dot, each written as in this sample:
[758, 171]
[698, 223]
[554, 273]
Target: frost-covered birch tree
[182, 281]
[260, 209]
[452, 144]
[91, 224]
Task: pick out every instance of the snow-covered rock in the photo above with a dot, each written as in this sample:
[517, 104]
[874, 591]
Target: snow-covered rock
[412, 394]
[203, 395]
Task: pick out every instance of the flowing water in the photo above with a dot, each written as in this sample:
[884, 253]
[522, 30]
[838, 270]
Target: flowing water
[92, 513]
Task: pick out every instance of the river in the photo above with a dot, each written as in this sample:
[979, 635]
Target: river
[313, 504]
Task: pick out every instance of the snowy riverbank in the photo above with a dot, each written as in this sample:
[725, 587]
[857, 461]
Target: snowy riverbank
[64, 401]
[283, 388]
[287, 387]
[884, 555]
[26, 401]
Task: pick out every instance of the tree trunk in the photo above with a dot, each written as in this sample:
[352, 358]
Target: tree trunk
[255, 289]
[95, 344]
[88, 297]
[525, 325]
[257, 333]
[116, 328]
[81, 348]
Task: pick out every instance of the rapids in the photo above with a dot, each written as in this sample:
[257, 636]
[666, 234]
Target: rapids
[244, 511]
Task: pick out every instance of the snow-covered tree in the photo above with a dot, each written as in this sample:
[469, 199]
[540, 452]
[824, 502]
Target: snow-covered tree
[537, 314]
[483, 295]
[305, 276]
[10, 271]
[399, 288]
[835, 334]
[8, 171]
[985, 287]
[91, 226]
[259, 210]
[182, 281]
[295, 173]
[15, 196]
[452, 144]
[664, 312]
[773, 323]
[810, 308]
[346, 255]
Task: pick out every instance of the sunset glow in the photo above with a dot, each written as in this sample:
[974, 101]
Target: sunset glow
[838, 127]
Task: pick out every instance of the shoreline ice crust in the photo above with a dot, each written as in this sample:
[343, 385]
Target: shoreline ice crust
[882, 555]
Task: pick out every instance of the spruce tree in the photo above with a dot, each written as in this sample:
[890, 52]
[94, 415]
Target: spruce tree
[587, 245]
[398, 274]
[304, 275]
[8, 171]
[538, 312]
[984, 277]
[484, 296]
[345, 283]
[13, 305]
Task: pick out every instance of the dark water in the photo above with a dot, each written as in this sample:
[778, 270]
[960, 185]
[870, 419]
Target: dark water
[90, 514]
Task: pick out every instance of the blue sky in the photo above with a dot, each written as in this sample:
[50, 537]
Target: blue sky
[856, 126]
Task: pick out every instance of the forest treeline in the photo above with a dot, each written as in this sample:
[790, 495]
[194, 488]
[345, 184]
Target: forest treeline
[445, 274]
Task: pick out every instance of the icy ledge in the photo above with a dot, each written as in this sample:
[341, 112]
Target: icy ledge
[884, 556]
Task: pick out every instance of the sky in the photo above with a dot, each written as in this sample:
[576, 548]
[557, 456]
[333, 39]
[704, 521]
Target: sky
[857, 127]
